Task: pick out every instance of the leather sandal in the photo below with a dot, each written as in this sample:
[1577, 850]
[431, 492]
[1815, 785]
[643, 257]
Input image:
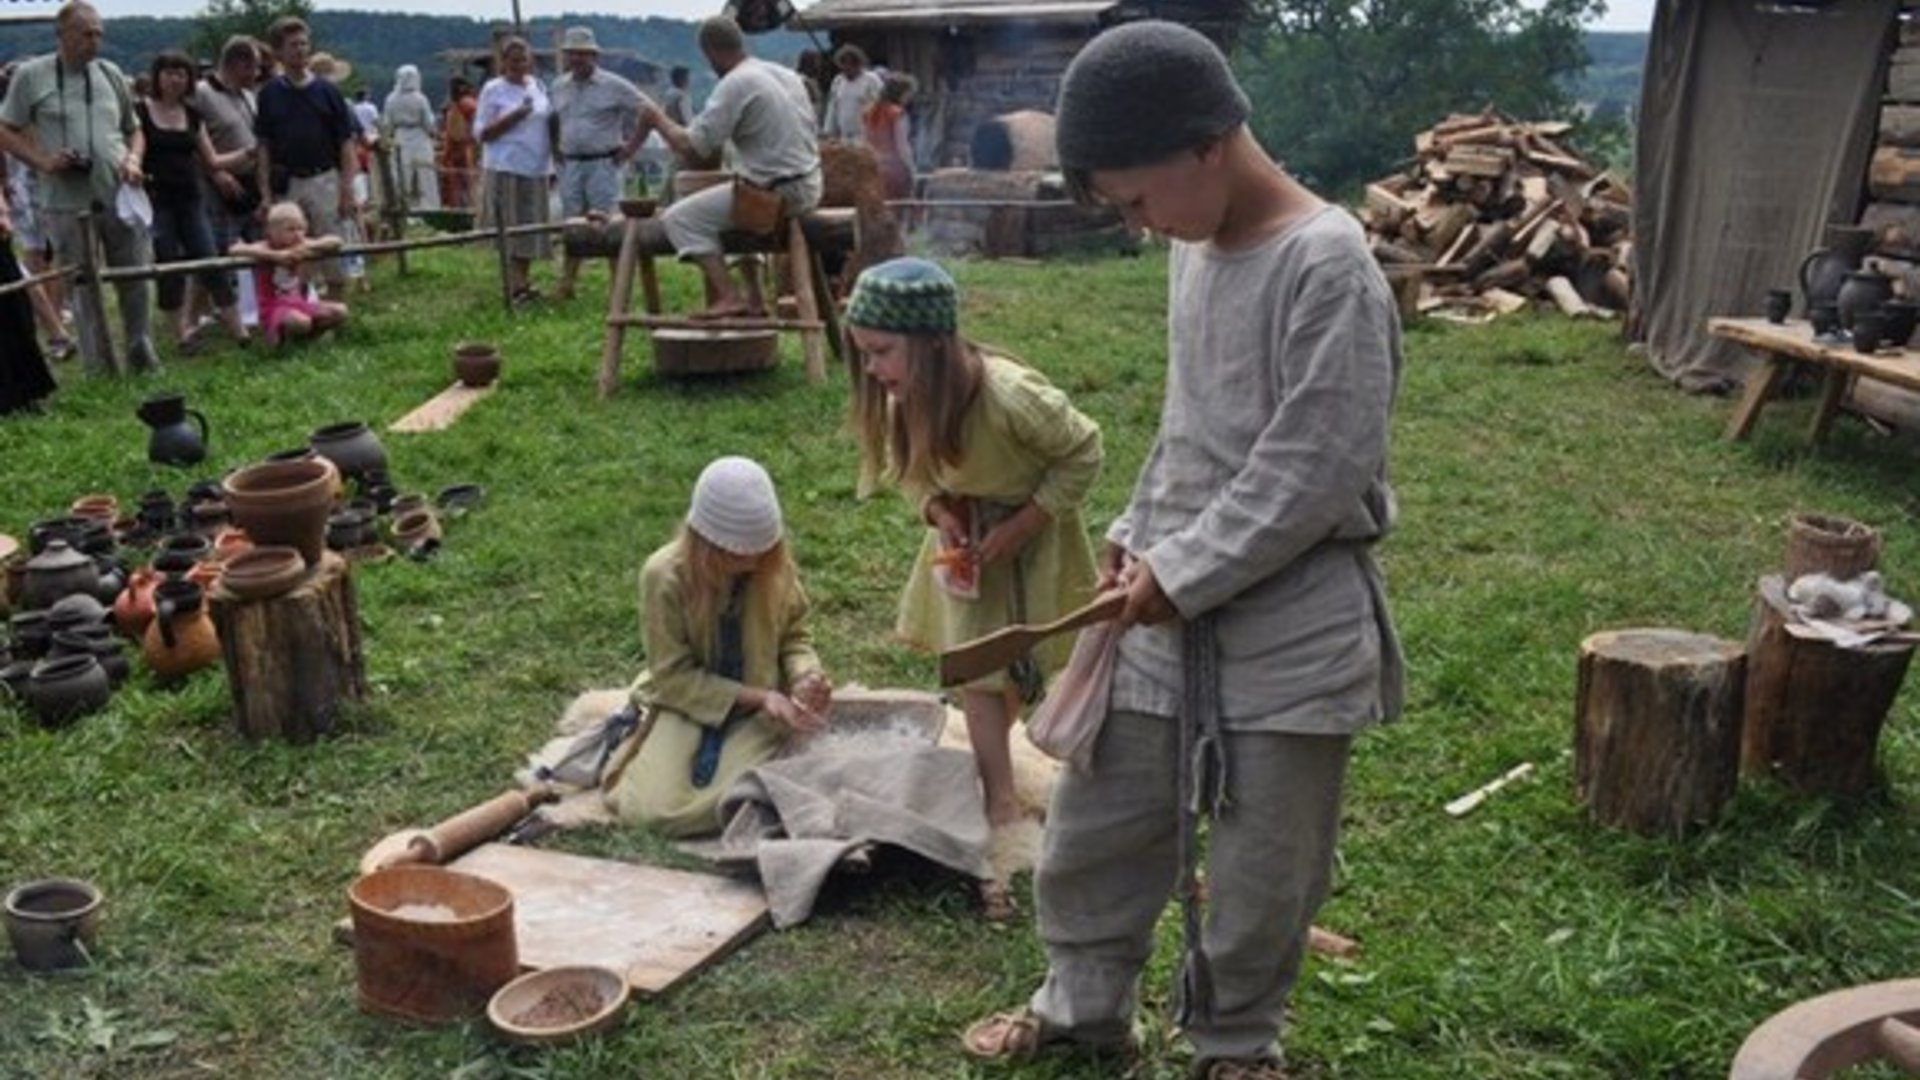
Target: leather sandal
[997, 904]
[1006, 1036]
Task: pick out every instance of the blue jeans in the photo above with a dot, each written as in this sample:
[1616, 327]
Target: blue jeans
[181, 233]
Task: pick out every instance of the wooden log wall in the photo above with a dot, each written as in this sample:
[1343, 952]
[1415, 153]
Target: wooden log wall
[1893, 209]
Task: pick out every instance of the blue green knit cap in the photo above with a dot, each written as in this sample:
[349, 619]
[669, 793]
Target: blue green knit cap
[905, 296]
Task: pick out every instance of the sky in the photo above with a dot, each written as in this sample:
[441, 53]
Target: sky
[1622, 14]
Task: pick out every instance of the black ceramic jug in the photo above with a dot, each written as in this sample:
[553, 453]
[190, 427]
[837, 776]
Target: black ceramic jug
[173, 440]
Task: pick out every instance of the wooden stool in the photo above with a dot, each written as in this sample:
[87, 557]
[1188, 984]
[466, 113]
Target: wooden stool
[293, 660]
[1826, 1035]
[800, 240]
[1813, 709]
[1657, 728]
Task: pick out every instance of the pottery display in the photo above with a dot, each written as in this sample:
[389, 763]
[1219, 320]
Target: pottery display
[181, 638]
[264, 571]
[350, 528]
[351, 446]
[133, 608]
[476, 363]
[157, 511]
[56, 572]
[52, 923]
[63, 689]
[284, 502]
[173, 441]
[76, 610]
[1861, 292]
[1825, 318]
[1779, 305]
[98, 642]
[416, 530]
[1825, 268]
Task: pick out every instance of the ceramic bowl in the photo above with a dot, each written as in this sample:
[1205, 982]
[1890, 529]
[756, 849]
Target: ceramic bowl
[456, 498]
[558, 1004]
[642, 207]
[260, 572]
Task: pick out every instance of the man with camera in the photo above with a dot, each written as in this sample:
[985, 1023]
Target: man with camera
[70, 115]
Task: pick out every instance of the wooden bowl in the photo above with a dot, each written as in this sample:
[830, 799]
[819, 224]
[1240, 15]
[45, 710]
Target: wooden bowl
[642, 207]
[558, 1004]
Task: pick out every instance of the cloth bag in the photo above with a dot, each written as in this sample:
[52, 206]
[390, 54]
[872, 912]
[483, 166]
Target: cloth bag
[1066, 724]
[755, 209]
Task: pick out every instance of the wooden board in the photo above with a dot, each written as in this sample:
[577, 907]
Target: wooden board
[441, 410]
[658, 926]
[1794, 338]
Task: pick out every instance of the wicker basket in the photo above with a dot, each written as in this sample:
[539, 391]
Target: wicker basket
[431, 944]
[1839, 547]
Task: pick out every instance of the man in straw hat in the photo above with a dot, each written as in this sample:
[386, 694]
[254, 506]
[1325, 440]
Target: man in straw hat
[306, 134]
[597, 126]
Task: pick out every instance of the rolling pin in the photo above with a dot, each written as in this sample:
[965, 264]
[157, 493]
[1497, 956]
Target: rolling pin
[456, 835]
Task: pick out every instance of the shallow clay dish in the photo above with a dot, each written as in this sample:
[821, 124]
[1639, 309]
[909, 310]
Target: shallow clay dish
[558, 1004]
[260, 572]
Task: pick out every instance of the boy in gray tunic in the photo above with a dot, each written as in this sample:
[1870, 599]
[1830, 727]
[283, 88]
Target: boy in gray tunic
[1259, 638]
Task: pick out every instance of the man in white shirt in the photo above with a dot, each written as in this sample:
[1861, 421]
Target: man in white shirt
[854, 90]
[764, 111]
[596, 113]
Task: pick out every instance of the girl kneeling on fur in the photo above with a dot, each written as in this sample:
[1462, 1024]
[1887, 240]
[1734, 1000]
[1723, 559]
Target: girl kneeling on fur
[731, 672]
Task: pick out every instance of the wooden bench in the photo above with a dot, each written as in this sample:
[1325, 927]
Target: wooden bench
[803, 241]
[1781, 343]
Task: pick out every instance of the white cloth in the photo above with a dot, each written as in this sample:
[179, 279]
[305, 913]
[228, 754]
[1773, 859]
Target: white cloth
[524, 149]
[763, 109]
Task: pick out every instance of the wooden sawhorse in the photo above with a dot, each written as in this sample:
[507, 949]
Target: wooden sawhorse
[803, 240]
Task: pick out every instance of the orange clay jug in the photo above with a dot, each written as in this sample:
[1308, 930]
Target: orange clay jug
[181, 639]
[133, 608]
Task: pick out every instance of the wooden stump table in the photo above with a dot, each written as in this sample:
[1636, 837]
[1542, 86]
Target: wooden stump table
[293, 660]
[1813, 709]
[1657, 728]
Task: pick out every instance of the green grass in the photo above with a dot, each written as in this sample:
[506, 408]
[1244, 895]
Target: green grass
[1551, 486]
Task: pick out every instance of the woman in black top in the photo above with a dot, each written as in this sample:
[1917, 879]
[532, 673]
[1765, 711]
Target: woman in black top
[24, 378]
[177, 150]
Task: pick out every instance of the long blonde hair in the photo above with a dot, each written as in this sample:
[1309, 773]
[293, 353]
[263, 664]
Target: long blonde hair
[905, 441]
[709, 578]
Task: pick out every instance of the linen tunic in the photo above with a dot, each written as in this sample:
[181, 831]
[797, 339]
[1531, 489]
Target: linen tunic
[1022, 440]
[1267, 483]
[685, 697]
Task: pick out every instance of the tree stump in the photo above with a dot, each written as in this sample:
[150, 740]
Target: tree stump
[1657, 728]
[1814, 710]
[293, 660]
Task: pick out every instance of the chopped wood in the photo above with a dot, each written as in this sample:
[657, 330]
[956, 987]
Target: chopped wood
[1566, 297]
[1492, 203]
[1895, 174]
[1504, 302]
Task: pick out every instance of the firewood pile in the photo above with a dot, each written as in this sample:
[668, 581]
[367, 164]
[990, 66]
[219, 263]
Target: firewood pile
[1495, 215]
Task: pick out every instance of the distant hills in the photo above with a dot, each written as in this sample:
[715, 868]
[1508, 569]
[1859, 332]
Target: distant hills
[378, 42]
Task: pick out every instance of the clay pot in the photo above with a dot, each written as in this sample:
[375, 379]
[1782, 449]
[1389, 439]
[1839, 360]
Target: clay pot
[1902, 317]
[98, 643]
[1869, 330]
[181, 639]
[13, 679]
[1825, 318]
[30, 634]
[457, 499]
[1862, 292]
[76, 612]
[133, 608]
[113, 578]
[307, 453]
[264, 572]
[350, 528]
[99, 507]
[284, 502]
[51, 923]
[1779, 305]
[1825, 269]
[208, 518]
[412, 501]
[351, 446]
[56, 572]
[157, 511]
[172, 440]
[476, 363]
[416, 530]
[60, 691]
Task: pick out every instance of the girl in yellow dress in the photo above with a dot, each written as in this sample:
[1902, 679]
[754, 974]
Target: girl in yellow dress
[998, 462]
[731, 672]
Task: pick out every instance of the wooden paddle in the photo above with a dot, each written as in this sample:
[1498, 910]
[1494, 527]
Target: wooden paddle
[984, 656]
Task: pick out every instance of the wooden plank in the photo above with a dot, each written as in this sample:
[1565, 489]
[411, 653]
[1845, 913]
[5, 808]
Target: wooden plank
[1794, 338]
[658, 926]
[443, 408]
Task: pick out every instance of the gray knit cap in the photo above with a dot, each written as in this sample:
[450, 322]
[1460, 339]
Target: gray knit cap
[1141, 93]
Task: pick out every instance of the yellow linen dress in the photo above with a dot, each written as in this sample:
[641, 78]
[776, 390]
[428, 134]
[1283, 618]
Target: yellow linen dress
[686, 697]
[1022, 441]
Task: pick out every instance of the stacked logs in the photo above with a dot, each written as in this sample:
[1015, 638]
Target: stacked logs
[1494, 214]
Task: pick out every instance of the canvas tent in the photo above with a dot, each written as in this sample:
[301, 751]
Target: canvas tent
[1757, 118]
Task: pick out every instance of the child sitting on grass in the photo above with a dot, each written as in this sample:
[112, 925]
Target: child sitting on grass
[731, 672]
[287, 311]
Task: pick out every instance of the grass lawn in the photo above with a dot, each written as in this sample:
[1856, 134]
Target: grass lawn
[1550, 486]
